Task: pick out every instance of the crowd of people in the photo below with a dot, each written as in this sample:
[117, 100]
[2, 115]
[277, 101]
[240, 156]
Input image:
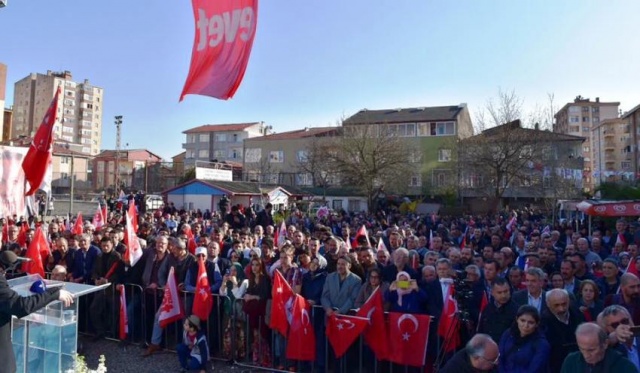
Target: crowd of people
[531, 296]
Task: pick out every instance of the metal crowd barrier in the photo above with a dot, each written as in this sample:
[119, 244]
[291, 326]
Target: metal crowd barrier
[249, 346]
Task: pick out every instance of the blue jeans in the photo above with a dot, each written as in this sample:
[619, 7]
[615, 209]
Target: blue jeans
[186, 360]
[156, 334]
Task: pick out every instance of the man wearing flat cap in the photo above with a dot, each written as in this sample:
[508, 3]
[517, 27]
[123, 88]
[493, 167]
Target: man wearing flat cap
[12, 304]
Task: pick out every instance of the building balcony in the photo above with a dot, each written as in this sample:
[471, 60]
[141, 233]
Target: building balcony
[609, 145]
[189, 145]
[609, 134]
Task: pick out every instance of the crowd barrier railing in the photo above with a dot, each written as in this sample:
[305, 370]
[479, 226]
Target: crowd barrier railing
[233, 335]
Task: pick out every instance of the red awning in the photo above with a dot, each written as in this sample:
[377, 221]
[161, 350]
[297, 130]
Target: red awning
[610, 208]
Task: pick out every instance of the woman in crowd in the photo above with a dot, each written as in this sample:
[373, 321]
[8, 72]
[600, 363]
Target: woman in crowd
[609, 283]
[234, 287]
[291, 273]
[405, 296]
[313, 282]
[589, 302]
[523, 347]
[255, 307]
[374, 281]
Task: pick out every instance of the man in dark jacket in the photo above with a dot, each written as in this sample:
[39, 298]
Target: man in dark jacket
[499, 315]
[594, 356]
[12, 304]
[560, 323]
[264, 217]
[480, 355]
[108, 269]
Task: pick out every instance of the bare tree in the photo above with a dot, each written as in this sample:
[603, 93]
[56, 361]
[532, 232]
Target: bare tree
[505, 108]
[370, 157]
[318, 164]
[261, 171]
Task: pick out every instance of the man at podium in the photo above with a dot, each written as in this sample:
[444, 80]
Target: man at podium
[12, 304]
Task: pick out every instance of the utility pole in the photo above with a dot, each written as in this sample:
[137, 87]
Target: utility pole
[118, 123]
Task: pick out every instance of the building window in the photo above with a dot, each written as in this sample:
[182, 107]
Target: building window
[191, 138]
[574, 109]
[302, 155]
[100, 166]
[441, 179]
[585, 129]
[336, 204]
[252, 155]
[190, 154]
[574, 128]
[574, 119]
[220, 154]
[235, 153]
[276, 156]
[444, 155]
[416, 180]
[65, 160]
[585, 149]
[235, 137]
[203, 153]
[626, 165]
[585, 119]
[221, 137]
[304, 179]
[203, 137]
[354, 205]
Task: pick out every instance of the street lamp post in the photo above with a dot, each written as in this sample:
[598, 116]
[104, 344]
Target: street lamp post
[118, 123]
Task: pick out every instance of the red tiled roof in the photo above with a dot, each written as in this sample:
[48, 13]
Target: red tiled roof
[61, 150]
[220, 127]
[297, 134]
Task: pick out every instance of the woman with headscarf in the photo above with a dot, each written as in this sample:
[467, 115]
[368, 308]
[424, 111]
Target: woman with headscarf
[404, 295]
[234, 286]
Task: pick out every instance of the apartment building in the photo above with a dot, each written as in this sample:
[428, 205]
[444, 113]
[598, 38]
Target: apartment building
[612, 142]
[219, 142]
[3, 92]
[632, 118]
[111, 168]
[280, 158]
[434, 133]
[79, 119]
[578, 118]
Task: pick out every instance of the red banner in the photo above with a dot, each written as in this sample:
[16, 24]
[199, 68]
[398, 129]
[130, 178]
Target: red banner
[224, 36]
[610, 209]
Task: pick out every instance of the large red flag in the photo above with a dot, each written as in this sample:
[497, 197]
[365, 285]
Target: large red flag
[281, 297]
[36, 162]
[36, 247]
[134, 251]
[449, 324]
[343, 330]
[203, 301]
[191, 241]
[222, 46]
[123, 328]
[301, 344]
[631, 267]
[78, 226]
[171, 308]
[408, 334]
[376, 334]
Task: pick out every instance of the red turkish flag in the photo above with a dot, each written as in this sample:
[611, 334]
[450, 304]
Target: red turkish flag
[105, 215]
[37, 246]
[280, 235]
[224, 36]
[78, 226]
[408, 334]
[301, 344]
[36, 162]
[191, 241]
[134, 251]
[362, 232]
[123, 327]
[281, 297]
[449, 325]
[22, 234]
[98, 219]
[133, 214]
[171, 308]
[343, 330]
[376, 334]
[203, 300]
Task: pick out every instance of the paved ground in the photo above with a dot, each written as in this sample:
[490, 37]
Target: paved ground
[129, 359]
[61, 208]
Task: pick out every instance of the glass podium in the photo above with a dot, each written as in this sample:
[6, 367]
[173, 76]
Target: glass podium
[46, 340]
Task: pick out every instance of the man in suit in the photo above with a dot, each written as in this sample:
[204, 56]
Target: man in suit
[568, 271]
[436, 293]
[533, 294]
[12, 304]
[339, 294]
